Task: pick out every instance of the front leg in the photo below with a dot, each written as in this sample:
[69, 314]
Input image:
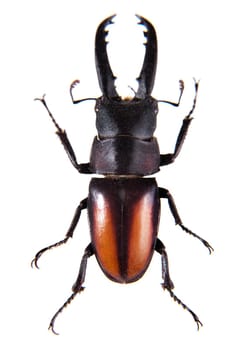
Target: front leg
[82, 168]
[169, 158]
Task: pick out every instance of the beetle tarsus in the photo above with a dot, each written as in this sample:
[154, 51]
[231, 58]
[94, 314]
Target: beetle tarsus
[196, 86]
[206, 244]
[42, 100]
[82, 168]
[68, 301]
[42, 251]
[176, 299]
[82, 205]
[167, 282]
[77, 287]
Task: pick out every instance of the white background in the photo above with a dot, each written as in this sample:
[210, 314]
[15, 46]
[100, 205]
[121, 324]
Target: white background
[45, 45]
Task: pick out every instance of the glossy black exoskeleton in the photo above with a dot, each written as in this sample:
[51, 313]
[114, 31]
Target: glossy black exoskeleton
[123, 206]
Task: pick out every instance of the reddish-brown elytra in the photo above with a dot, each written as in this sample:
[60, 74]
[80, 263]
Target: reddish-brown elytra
[123, 221]
[123, 206]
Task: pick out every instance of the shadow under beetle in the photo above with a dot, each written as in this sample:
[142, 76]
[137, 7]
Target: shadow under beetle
[123, 206]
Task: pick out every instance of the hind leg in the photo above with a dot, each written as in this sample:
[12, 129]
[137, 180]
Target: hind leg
[78, 285]
[167, 282]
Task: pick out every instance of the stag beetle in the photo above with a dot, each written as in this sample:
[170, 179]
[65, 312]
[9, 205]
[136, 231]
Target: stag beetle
[123, 206]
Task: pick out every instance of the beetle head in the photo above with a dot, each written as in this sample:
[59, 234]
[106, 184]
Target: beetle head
[116, 116]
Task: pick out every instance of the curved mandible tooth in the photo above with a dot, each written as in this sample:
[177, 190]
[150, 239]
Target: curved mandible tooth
[147, 74]
[104, 72]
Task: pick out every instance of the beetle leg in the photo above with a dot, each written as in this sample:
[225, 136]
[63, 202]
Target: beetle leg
[82, 168]
[167, 282]
[160, 248]
[164, 193]
[78, 285]
[69, 234]
[169, 158]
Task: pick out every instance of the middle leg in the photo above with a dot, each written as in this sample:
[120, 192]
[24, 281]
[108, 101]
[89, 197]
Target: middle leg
[164, 193]
[69, 234]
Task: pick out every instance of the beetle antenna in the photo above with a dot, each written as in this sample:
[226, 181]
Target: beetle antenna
[176, 104]
[72, 86]
[84, 99]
